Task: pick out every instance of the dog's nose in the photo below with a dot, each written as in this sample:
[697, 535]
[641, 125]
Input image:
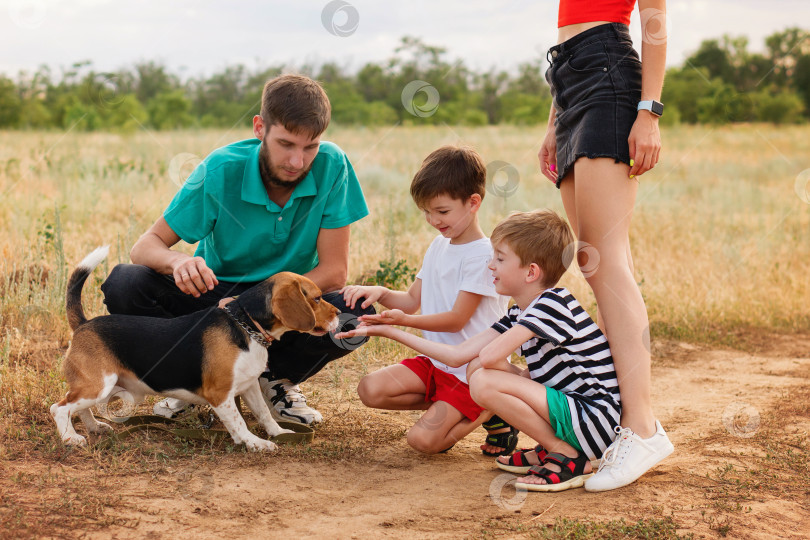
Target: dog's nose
[334, 325]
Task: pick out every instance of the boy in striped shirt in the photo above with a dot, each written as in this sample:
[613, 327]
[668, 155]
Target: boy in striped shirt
[567, 399]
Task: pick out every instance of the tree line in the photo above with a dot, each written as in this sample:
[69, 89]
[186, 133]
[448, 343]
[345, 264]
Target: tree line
[721, 82]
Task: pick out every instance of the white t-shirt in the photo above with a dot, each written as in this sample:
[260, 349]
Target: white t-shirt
[448, 269]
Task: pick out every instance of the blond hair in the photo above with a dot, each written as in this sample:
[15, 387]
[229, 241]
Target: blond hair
[541, 237]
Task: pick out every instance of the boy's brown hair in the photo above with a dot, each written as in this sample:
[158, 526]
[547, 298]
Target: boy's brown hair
[296, 102]
[541, 237]
[456, 171]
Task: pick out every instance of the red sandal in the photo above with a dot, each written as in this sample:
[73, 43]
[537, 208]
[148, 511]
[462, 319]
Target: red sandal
[518, 464]
[572, 474]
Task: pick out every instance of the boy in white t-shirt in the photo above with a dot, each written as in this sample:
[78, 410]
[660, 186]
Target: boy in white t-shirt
[457, 300]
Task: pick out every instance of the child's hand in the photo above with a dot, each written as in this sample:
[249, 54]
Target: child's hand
[353, 293]
[365, 329]
[391, 316]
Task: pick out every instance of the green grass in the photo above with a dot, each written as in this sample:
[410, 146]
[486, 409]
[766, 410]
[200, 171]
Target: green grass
[721, 240]
[584, 529]
[721, 245]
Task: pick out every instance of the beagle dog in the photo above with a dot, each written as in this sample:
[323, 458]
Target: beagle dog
[207, 357]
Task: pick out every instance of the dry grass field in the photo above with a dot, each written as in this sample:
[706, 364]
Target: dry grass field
[721, 242]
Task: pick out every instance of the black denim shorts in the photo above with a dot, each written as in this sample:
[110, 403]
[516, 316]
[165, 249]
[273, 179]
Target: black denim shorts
[595, 79]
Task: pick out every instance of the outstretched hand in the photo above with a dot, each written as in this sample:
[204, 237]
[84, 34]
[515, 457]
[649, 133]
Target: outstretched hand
[353, 293]
[366, 329]
[390, 316]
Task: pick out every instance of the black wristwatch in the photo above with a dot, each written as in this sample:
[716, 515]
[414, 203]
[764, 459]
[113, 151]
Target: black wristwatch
[655, 107]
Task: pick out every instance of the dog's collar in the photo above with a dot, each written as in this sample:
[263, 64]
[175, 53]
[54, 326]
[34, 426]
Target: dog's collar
[246, 322]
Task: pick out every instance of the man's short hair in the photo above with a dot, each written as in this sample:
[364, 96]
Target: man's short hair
[541, 237]
[296, 102]
[456, 171]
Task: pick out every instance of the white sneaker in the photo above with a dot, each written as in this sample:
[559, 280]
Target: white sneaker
[628, 457]
[169, 407]
[287, 403]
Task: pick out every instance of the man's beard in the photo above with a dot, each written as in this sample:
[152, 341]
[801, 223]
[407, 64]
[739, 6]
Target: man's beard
[269, 178]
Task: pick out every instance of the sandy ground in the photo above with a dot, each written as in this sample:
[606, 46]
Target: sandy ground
[714, 404]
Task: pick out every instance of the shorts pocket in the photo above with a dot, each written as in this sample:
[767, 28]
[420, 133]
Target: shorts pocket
[590, 58]
[624, 55]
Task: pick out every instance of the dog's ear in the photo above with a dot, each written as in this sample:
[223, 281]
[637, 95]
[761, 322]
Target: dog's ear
[291, 307]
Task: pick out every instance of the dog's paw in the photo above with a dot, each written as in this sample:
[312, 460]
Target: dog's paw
[278, 430]
[74, 440]
[260, 445]
[100, 428]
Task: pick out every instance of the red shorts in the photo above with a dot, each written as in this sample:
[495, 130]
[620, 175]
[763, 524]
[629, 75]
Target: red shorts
[443, 386]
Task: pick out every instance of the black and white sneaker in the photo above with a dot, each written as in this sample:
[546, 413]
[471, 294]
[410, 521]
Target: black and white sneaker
[170, 407]
[287, 403]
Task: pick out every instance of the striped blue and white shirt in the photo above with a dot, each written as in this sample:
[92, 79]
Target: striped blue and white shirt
[571, 354]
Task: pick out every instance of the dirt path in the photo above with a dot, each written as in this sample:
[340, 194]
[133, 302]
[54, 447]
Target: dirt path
[718, 407]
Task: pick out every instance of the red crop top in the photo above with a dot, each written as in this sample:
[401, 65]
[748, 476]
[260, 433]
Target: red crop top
[581, 11]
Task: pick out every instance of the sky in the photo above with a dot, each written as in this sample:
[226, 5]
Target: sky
[201, 37]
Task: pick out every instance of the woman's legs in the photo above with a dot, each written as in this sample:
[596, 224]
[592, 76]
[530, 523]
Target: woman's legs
[569, 203]
[599, 201]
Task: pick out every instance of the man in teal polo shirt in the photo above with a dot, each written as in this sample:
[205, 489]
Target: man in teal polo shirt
[283, 201]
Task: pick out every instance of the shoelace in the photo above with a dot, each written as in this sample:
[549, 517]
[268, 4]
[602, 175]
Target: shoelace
[293, 393]
[612, 452]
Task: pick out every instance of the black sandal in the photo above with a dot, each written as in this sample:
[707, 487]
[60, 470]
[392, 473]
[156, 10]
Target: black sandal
[572, 474]
[506, 440]
[518, 464]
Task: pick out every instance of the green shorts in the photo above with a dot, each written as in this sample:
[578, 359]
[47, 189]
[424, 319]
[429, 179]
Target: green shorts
[560, 415]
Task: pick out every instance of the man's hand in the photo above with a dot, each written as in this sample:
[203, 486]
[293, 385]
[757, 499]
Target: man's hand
[192, 276]
[225, 301]
[353, 293]
[391, 316]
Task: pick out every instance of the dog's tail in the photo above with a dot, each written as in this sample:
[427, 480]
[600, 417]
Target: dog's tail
[73, 304]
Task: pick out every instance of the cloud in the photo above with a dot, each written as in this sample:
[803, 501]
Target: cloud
[202, 37]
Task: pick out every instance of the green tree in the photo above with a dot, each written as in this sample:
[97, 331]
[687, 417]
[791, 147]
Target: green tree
[9, 104]
[374, 83]
[683, 90]
[714, 59]
[725, 105]
[127, 115]
[801, 80]
[34, 114]
[525, 109]
[490, 86]
[785, 47]
[81, 116]
[151, 79]
[778, 106]
[170, 110]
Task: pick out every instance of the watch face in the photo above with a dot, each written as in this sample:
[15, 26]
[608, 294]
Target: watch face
[657, 108]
